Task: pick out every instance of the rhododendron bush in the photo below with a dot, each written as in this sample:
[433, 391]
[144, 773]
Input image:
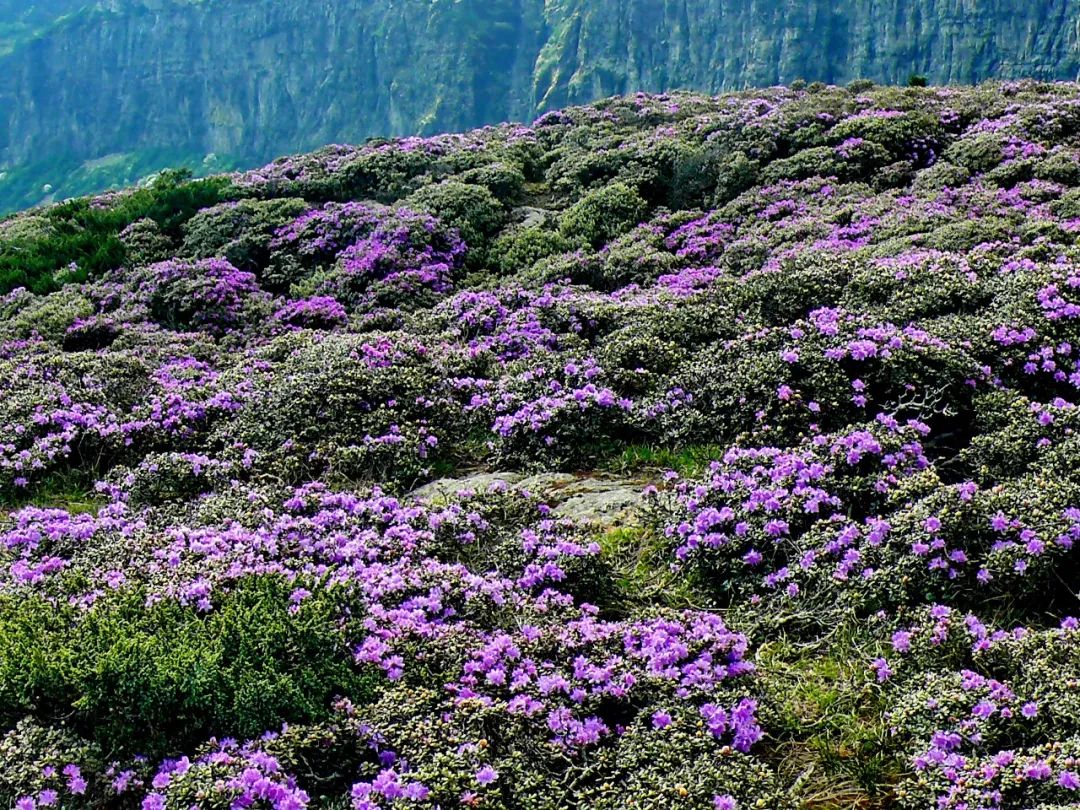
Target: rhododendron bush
[829, 337]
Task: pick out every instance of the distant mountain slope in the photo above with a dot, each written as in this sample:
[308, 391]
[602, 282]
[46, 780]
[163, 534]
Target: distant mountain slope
[117, 91]
[20, 20]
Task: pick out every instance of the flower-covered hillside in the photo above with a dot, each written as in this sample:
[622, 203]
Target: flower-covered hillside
[832, 336]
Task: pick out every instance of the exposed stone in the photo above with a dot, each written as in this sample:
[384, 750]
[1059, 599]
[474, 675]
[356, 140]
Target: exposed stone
[449, 487]
[592, 499]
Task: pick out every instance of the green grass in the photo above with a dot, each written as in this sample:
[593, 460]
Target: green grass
[73, 491]
[690, 461]
[639, 561]
[830, 736]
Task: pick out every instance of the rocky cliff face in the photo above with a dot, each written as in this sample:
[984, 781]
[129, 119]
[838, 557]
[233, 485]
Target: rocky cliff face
[130, 83]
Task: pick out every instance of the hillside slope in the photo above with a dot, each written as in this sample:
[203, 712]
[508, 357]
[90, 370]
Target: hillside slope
[114, 93]
[672, 453]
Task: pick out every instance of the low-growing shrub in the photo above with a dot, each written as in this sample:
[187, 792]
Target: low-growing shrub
[157, 678]
[603, 214]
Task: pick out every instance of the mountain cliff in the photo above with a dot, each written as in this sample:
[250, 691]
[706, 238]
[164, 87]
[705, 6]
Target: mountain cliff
[106, 92]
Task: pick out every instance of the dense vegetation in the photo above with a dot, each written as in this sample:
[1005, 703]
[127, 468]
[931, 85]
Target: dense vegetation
[832, 334]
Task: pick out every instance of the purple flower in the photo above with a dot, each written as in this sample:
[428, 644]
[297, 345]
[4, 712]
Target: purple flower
[901, 641]
[1038, 770]
[882, 669]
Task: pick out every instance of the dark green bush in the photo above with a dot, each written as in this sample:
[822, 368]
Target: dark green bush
[735, 174]
[825, 161]
[1011, 173]
[898, 134]
[503, 180]
[158, 679]
[322, 408]
[49, 316]
[941, 175]
[976, 153]
[473, 210]
[1061, 166]
[87, 235]
[240, 232]
[1068, 206]
[520, 248]
[144, 243]
[603, 214]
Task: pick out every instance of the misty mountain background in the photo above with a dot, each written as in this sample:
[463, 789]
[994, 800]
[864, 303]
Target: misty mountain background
[95, 95]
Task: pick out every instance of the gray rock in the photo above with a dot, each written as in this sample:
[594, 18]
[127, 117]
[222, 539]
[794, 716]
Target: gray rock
[587, 499]
[449, 487]
[528, 217]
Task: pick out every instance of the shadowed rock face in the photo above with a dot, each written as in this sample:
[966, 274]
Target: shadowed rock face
[250, 79]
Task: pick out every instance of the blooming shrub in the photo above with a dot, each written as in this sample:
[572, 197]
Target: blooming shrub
[407, 260]
[847, 318]
[210, 294]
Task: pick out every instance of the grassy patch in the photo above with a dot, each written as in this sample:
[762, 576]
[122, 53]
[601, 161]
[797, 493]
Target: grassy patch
[73, 491]
[640, 562]
[690, 461]
[827, 720]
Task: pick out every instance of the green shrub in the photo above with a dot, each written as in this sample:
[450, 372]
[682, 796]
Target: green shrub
[49, 316]
[1061, 166]
[503, 180]
[939, 176]
[321, 407]
[960, 237]
[520, 248]
[473, 210]
[898, 134]
[86, 235]
[735, 174]
[1068, 206]
[239, 232]
[160, 678]
[1011, 173]
[826, 161]
[603, 214]
[144, 243]
[976, 153]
